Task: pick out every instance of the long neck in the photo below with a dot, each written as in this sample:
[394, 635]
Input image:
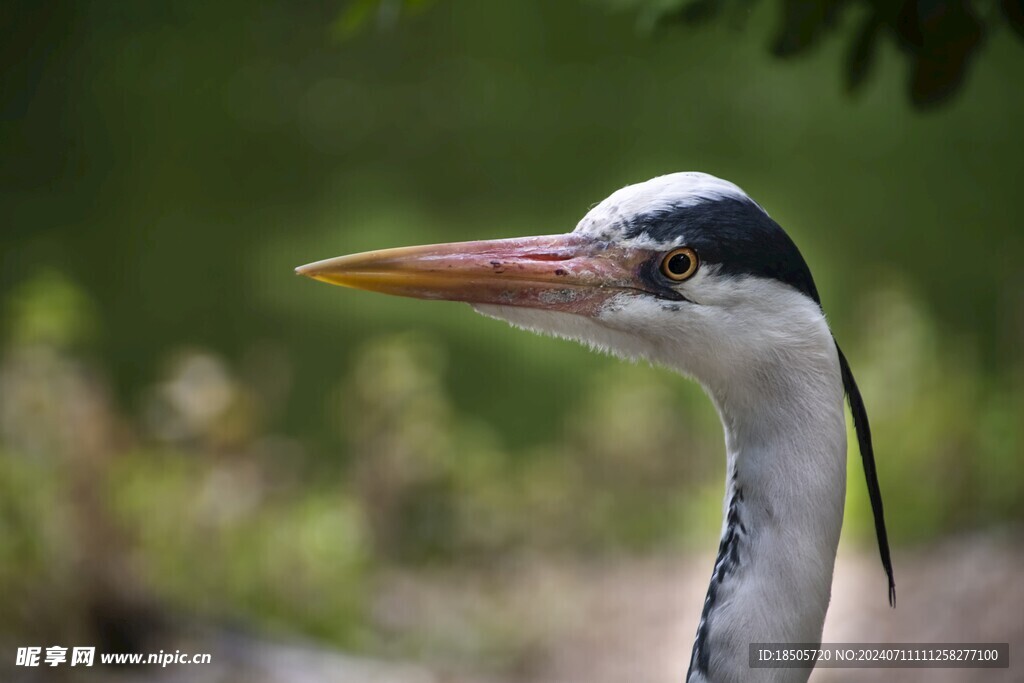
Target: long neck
[783, 511]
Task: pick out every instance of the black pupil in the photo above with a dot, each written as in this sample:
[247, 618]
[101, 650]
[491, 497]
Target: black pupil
[679, 264]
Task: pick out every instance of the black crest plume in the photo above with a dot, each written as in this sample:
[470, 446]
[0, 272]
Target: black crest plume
[867, 454]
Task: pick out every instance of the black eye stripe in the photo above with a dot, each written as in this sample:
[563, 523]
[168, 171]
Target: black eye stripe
[733, 234]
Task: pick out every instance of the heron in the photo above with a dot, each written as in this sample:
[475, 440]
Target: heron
[689, 273]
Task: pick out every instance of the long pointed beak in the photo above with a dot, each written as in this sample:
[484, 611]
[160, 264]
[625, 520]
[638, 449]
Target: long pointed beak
[569, 272]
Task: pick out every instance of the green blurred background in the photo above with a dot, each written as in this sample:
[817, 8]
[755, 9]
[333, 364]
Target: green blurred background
[190, 434]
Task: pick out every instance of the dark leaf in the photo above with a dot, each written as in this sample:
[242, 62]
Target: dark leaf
[695, 12]
[939, 37]
[908, 26]
[1013, 10]
[861, 57]
[942, 37]
[946, 25]
[803, 24]
[936, 78]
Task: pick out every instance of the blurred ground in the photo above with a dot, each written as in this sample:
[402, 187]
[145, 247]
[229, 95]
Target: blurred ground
[630, 620]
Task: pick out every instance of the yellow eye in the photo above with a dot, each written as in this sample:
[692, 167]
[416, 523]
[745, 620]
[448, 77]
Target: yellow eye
[680, 264]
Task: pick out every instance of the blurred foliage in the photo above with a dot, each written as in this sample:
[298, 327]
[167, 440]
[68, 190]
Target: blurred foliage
[234, 540]
[939, 38]
[187, 427]
[954, 432]
[49, 310]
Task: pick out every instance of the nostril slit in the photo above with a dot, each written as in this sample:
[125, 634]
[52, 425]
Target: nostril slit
[548, 256]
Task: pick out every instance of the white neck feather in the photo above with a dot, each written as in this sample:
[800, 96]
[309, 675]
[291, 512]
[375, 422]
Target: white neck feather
[786, 484]
[765, 355]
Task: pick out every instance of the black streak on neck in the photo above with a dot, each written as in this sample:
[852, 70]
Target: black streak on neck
[725, 564]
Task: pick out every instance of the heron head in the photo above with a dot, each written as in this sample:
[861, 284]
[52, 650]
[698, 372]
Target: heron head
[684, 269]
